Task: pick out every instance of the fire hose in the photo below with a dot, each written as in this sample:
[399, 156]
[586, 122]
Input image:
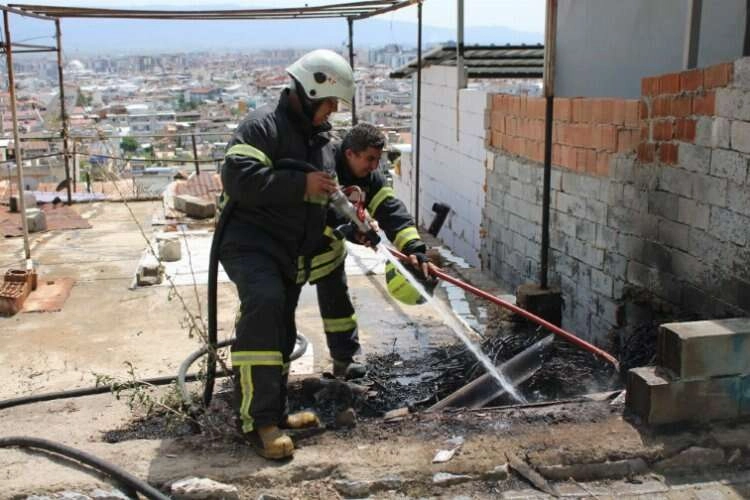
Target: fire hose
[439, 273]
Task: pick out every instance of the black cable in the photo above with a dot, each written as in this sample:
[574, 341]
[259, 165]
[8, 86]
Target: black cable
[120, 475]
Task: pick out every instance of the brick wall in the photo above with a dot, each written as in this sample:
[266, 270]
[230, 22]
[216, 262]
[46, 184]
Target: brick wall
[661, 227]
[585, 133]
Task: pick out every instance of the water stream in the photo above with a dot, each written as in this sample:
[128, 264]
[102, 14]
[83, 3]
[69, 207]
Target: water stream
[459, 327]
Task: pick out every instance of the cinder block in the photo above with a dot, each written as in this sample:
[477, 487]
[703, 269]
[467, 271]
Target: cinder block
[695, 158]
[729, 225]
[729, 165]
[194, 206]
[708, 189]
[742, 72]
[657, 399]
[36, 220]
[29, 201]
[705, 348]
[741, 136]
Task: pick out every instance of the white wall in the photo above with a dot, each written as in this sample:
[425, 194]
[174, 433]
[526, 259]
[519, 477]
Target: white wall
[452, 164]
[605, 47]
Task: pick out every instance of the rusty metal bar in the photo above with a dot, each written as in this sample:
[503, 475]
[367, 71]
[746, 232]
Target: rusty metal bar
[418, 112]
[405, 3]
[16, 140]
[549, 95]
[195, 156]
[63, 114]
[692, 34]
[350, 23]
[21, 12]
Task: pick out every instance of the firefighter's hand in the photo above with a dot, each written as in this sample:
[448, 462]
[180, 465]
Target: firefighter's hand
[319, 184]
[362, 239]
[421, 262]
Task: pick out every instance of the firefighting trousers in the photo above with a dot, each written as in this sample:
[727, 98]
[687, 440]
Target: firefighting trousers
[337, 311]
[265, 337]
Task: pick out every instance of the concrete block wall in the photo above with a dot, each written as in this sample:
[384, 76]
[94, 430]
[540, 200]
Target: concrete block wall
[453, 155]
[655, 221]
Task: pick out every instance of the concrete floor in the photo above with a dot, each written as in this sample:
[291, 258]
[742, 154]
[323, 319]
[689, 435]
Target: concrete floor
[104, 324]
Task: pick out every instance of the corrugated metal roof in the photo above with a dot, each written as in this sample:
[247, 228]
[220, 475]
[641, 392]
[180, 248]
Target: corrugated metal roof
[484, 61]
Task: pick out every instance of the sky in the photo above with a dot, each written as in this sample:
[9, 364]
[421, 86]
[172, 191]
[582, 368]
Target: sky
[522, 15]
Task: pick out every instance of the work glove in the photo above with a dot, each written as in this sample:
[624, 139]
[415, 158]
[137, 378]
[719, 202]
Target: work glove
[419, 266]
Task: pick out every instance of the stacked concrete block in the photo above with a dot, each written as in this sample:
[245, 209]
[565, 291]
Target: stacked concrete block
[36, 220]
[194, 206]
[29, 201]
[702, 374]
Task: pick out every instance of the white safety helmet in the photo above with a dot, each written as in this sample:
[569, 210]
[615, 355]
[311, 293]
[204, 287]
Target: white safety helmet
[323, 74]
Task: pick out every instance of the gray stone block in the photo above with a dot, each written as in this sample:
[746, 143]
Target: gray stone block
[596, 211]
[729, 225]
[741, 136]
[711, 190]
[601, 282]
[742, 72]
[700, 349]
[657, 399]
[677, 181]
[704, 131]
[36, 220]
[673, 234]
[720, 133]
[663, 204]
[29, 201]
[615, 265]
[605, 238]
[693, 213]
[194, 206]
[694, 158]
[738, 199]
[623, 171]
[634, 198]
[729, 165]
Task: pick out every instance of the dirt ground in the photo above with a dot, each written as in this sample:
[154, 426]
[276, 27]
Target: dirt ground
[104, 326]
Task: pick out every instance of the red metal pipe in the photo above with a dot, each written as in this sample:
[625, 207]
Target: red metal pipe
[436, 271]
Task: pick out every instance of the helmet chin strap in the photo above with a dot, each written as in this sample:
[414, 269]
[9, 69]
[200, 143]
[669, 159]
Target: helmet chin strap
[309, 106]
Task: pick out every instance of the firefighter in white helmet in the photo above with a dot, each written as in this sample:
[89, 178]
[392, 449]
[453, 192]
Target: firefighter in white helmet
[277, 175]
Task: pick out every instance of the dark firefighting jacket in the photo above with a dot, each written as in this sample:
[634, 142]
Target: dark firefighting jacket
[263, 176]
[390, 213]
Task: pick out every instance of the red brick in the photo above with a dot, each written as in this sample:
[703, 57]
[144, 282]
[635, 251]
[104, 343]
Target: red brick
[643, 110]
[668, 153]
[606, 136]
[627, 140]
[618, 111]
[704, 103]
[581, 110]
[632, 108]
[650, 86]
[681, 106]
[536, 108]
[718, 75]
[602, 164]
[663, 130]
[646, 151]
[562, 109]
[497, 121]
[661, 106]
[685, 130]
[669, 83]
[497, 139]
[691, 80]
[557, 151]
[591, 161]
[497, 102]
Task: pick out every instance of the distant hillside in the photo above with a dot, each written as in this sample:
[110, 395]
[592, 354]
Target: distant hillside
[119, 36]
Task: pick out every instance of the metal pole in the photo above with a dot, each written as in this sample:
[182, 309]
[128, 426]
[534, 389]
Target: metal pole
[746, 44]
[460, 69]
[549, 94]
[16, 139]
[195, 156]
[350, 22]
[692, 34]
[63, 114]
[418, 128]
[75, 165]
